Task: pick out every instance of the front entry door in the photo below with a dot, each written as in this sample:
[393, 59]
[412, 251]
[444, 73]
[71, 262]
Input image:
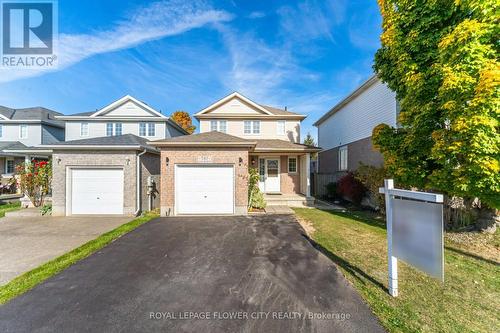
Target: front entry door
[272, 179]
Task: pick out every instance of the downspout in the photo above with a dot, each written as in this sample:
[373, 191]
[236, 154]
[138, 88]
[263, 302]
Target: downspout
[138, 181]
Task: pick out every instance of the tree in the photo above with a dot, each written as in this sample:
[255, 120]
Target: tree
[309, 140]
[441, 59]
[34, 180]
[184, 120]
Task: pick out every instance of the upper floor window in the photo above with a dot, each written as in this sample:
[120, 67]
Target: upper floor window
[280, 129]
[147, 129]
[251, 127]
[84, 129]
[23, 131]
[343, 158]
[1, 131]
[113, 129]
[218, 125]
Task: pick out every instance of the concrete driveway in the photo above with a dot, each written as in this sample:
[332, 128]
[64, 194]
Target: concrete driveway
[28, 242]
[197, 274]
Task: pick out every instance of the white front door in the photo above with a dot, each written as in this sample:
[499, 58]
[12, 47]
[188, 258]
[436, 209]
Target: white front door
[204, 189]
[97, 191]
[272, 179]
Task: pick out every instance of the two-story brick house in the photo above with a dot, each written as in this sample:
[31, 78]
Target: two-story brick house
[207, 173]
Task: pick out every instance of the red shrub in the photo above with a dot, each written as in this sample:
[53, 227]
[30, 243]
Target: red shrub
[350, 188]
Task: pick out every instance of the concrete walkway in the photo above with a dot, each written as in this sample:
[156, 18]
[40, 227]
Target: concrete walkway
[278, 210]
[28, 242]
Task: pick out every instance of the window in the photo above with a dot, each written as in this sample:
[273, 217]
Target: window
[343, 158]
[251, 127]
[142, 129]
[9, 166]
[109, 129]
[84, 129]
[292, 164]
[113, 129]
[23, 131]
[280, 127]
[118, 128]
[151, 129]
[1, 131]
[262, 169]
[218, 125]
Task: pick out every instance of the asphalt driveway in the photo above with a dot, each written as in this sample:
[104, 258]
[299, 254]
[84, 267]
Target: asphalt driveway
[27, 242]
[197, 274]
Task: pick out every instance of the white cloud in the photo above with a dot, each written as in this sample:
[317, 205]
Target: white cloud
[256, 15]
[157, 20]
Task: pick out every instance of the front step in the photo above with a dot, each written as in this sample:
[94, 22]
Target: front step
[289, 200]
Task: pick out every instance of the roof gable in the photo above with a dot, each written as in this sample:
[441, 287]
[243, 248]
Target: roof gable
[235, 104]
[127, 106]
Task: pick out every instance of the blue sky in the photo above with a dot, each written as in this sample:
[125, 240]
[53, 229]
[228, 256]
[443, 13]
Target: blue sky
[185, 55]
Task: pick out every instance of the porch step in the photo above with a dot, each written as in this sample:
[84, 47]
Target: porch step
[289, 200]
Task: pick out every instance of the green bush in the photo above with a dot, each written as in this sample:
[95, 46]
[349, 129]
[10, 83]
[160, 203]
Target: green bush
[46, 209]
[331, 190]
[255, 197]
[372, 178]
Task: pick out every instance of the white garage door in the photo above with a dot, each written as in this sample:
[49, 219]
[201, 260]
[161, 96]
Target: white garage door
[204, 189]
[97, 191]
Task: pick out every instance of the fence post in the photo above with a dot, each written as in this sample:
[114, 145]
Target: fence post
[393, 261]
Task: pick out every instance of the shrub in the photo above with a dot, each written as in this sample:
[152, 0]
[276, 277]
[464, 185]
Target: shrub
[372, 178]
[46, 209]
[255, 197]
[331, 190]
[350, 188]
[34, 180]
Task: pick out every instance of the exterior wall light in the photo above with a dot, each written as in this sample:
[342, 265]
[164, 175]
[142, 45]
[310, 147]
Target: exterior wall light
[167, 160]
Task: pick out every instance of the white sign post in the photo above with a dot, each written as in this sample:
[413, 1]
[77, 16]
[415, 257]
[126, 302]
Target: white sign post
[414, 231]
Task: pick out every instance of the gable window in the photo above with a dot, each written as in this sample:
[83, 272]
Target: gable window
[151, 129]
[218, 125]
[9, 166]
[113, 129]
[142, 129]
[251, 127]
[280, 129]
[292, 164]
[343, 158]
[84, 129]
[23, 131]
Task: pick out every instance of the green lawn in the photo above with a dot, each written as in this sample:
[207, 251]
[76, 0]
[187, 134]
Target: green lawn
[30, 279]
[9, 207]
[468, 301]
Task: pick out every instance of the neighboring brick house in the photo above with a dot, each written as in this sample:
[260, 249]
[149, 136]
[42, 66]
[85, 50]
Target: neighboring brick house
[344, 132]
[207, 173]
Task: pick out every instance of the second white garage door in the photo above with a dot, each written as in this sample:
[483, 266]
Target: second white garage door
[204, 189]
[97, 191]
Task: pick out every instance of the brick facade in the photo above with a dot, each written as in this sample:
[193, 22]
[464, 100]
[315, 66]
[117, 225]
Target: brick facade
[194, 155]
[289, 182]
[64, 160]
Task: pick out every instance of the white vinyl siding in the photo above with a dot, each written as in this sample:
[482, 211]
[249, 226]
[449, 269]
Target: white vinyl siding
[23, 131]
[280, 127]
[84, 129]
[356, 120]
[292, 164]
[1, 131]
[343, 156]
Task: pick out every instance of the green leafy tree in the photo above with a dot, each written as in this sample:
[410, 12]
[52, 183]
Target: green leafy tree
[441, 59]
[309, 140]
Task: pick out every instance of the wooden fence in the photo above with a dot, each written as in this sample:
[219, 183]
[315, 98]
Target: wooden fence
[320, 180]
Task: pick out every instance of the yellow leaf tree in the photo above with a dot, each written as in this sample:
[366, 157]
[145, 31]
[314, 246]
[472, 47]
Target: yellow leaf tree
[184, 120]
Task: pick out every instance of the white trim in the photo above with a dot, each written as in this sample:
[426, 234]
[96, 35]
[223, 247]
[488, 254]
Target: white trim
[7, 159]
[340, 160]
[4, 117]
[296, 165]
[228, 98]
[278, 127]
[123, 100]
[81, 129]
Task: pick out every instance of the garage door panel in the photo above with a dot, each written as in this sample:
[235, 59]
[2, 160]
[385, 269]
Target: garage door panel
[97, 191]
[205, 189]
